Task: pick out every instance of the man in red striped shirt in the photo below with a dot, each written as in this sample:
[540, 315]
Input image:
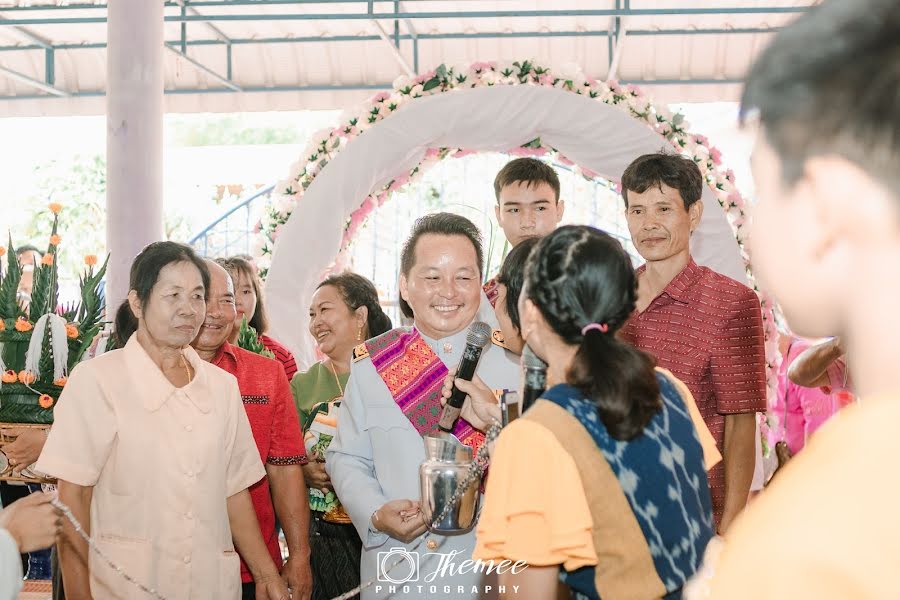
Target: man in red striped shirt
[702, 326]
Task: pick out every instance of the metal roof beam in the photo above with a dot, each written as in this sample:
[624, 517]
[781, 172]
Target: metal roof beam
[393, 45]
[203, 68]
[430, 15]
[216, 31]
[353, 87]
[29, 36]
[210, 3]
[426, 36]
[395, 52]
[44, 87]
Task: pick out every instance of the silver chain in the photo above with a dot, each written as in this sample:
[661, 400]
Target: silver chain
[93, 547]
[476, 470]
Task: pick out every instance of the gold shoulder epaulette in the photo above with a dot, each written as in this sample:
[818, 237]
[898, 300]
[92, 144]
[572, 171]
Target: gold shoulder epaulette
[497, 339]
[360, 352]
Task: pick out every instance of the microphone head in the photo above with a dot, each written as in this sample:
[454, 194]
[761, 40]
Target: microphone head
[479, 334]
[530, 360]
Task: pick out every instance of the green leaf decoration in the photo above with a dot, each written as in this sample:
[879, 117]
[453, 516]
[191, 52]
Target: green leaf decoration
[431, 83]
[248, 339]
[9, 285]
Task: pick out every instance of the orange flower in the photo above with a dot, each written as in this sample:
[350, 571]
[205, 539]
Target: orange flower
[26, 377]
[46, 401]
[23, 326]
[8, 376]
[47, 259]
[2, 250]
[55, 207]
[90, 260]
[61, 381]
[55, 240]
[71, 331]
[2, 325]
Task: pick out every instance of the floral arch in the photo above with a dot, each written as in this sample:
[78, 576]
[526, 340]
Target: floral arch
[520, 108]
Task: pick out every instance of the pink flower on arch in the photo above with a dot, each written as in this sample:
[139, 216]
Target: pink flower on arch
[398, 183]
[716, 155]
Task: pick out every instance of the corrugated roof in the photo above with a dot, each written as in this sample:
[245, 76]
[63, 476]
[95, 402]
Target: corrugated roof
[330, 54]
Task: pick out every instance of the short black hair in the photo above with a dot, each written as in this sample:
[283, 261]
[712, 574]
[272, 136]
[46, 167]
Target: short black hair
[442, 223]
[358, 291]
[654, 170]
[144, 274]
[512, 276]
[530, 171]
[828, 84]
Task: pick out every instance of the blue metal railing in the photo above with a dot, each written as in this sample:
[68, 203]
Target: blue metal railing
[231, 232]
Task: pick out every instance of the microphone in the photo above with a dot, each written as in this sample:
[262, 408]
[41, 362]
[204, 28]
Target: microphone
[534, 372]
[477, 338]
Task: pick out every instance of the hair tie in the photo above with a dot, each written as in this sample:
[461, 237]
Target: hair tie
[601, 327]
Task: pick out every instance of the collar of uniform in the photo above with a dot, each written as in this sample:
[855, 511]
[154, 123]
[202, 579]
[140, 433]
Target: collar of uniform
[155, 390]
[457, 341]
[678, 288]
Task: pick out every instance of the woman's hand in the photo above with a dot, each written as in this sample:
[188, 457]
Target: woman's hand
[315, 475]
[32, 522]
[271, 587]
[25, 449]
[481, 408]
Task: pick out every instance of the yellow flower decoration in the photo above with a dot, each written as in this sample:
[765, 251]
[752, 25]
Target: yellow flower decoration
[90, 260]
[45, 401]
[55, 207]
[8, 376]
[23, 326]
[47, 259]
[26, 377]
[55, 240]
[71, 331]
[61, 381]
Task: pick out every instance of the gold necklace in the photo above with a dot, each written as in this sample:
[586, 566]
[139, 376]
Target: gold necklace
[187, 370]
[336, 378]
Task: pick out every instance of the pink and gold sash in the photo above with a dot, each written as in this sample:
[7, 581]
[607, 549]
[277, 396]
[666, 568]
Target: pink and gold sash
[492, 290]
[414, 376]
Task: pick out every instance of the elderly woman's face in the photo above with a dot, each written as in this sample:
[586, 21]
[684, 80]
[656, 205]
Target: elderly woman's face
[175, 310]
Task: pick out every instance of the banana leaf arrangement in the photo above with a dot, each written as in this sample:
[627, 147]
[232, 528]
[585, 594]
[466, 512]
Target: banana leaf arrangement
[41, 340]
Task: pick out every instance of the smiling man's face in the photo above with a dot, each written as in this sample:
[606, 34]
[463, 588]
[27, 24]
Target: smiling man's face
[659, 224]
[220, 311]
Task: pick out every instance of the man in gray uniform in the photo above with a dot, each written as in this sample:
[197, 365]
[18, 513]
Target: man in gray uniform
[395, 381]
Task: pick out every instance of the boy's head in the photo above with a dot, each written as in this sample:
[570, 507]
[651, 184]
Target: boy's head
[826, 97]
[528, 203]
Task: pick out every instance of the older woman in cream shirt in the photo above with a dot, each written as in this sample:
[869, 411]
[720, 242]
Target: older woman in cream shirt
[154, 453]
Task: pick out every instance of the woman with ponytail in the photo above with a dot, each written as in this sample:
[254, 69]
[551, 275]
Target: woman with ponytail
[603, 480]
